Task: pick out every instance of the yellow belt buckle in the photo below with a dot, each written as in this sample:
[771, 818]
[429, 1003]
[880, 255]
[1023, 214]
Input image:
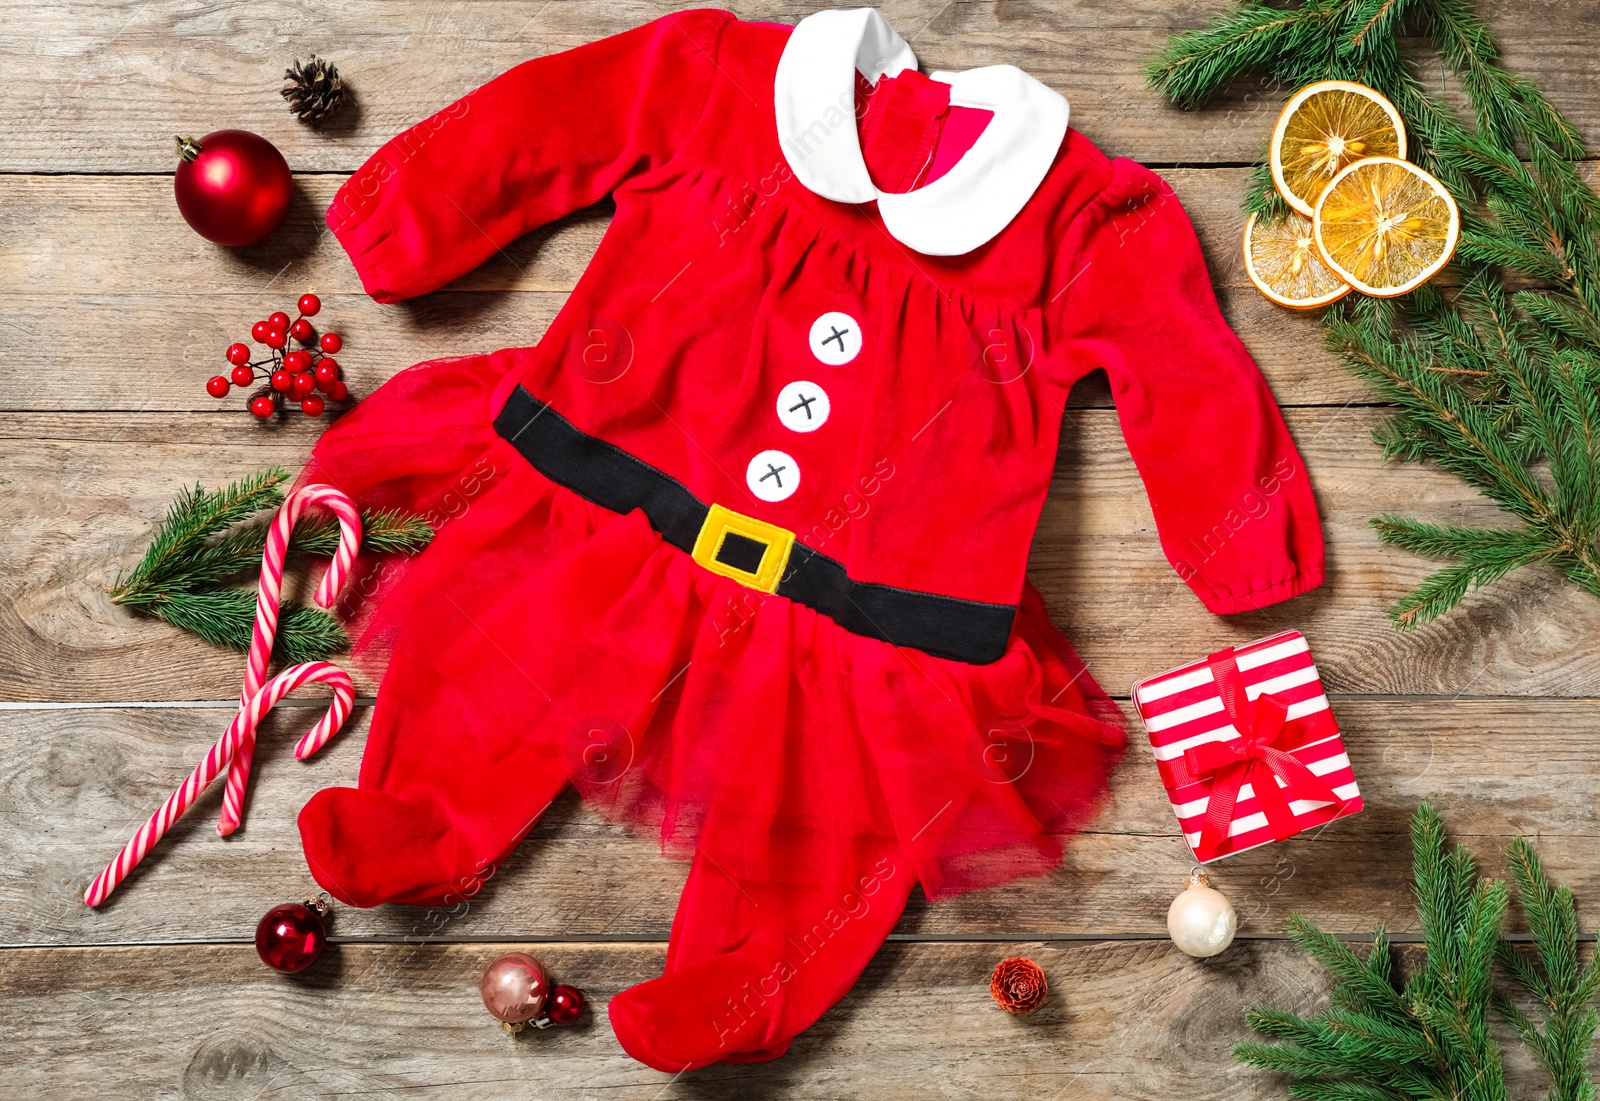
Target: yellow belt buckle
[752, 552]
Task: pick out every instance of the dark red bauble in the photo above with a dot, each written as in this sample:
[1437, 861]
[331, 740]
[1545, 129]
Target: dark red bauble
[338, 391]
[238, 353]
[327, 373]
[259, 331]
[276, 338]
[330, 343]
[291, 937]
[302, 385]
[302, 331]
[282, 380]
[313, 406]
[565, 1005]
[217, 386]
[297, 360]
[243, 375]
[309, 304]
[278, 320]
[263, 406]
[233, 187]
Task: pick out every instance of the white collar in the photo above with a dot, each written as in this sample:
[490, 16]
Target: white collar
[814, 98]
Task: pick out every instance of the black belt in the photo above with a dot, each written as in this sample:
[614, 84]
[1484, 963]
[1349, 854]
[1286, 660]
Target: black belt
[755, 553]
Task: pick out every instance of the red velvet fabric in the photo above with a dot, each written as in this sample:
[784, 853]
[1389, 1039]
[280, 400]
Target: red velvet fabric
[542, 640]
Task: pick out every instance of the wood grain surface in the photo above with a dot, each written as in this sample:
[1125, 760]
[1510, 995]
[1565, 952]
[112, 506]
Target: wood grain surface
[112, 314]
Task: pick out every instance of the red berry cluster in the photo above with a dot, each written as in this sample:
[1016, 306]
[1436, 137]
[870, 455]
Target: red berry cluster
[292, 374]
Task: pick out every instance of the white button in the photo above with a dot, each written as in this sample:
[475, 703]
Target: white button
[835, 338]
[772, 475]
[802, 406]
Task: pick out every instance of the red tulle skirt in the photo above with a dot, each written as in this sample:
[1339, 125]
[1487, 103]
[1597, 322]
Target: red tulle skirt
[684, 704]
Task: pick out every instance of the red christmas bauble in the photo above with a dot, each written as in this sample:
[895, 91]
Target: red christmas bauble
[330, 343]
[338, 391]
[313, 406]
[242, 375]
[263, 406]
[217, 386]
[238, 353]
[297, 360]
[301, 385]
[565, 1005]
[232, 187]
[310, 304]
[291, 937]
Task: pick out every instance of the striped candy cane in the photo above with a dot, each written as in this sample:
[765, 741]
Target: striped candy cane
[239, 731]
[234, 749]
[266, 628]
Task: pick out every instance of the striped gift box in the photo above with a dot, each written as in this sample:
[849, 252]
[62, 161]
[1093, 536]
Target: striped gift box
[1184, 708]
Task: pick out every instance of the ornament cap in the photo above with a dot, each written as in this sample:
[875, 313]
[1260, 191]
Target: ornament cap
[1196, 878]
[188, 148]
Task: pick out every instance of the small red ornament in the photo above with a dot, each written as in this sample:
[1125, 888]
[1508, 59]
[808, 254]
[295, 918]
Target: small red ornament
[302, 385]
[309, 304]
[565, 1005]
[313, 406]
[327, 374]
[238, 353]
[338, 391]
[263, 406]
[1018, 985]
[291, 937]
[276, 339]
[278, 320]
[330, 343]
[242, 375]
[302, 331]
[282, 380]
[259, 331]
[297, 361]
[233, 187]
[217, 386]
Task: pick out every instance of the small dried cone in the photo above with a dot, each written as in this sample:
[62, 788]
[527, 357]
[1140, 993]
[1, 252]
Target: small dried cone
[1018, 985]
[314, 90]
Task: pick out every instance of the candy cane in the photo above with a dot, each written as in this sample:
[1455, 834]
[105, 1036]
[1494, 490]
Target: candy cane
[234, 749]
[241, 730]
[266, 628]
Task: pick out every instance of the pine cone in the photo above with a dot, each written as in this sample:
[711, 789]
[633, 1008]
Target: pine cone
[1018, 985]
[314, 90]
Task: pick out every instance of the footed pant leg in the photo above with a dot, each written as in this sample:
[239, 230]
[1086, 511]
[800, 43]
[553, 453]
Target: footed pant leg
[481, 715]
[754, 962]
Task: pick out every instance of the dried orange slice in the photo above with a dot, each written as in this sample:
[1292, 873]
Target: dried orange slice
[1282, 260]
[1386, 226]
[1324, 128]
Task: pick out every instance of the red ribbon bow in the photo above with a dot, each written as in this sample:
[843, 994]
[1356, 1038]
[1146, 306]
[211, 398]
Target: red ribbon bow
[1251, 758]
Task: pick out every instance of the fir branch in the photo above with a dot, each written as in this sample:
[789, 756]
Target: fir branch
[1433, 1037]
[209, 541]
[226, 618]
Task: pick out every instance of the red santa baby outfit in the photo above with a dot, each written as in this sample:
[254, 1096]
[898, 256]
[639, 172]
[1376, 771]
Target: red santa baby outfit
[739, 547]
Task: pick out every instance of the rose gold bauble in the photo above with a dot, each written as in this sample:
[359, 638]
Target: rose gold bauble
[514, 988]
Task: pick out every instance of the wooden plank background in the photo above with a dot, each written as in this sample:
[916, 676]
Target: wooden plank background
[112, 314]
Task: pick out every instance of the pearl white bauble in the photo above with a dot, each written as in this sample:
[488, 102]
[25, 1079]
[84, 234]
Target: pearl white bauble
[1201, 920]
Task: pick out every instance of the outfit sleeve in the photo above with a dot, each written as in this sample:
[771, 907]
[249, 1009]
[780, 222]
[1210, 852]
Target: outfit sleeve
[551, 136]
[1232, 500]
